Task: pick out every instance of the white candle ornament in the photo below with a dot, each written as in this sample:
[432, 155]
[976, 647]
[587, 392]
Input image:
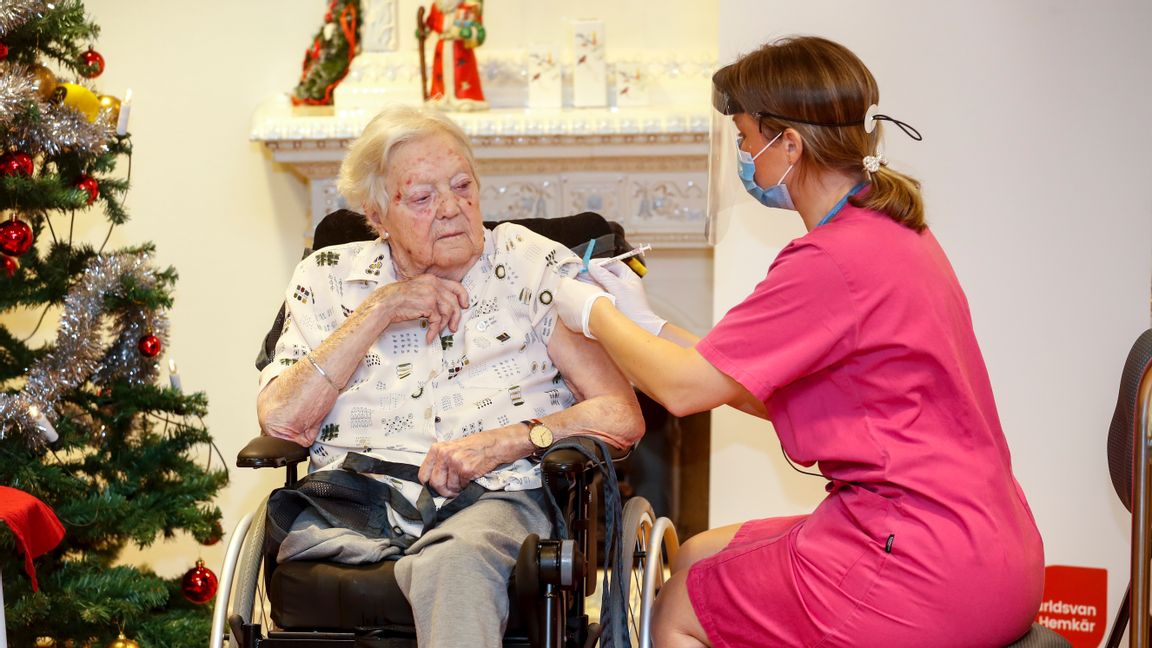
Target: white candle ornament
[173, 377]
[125, 109]
[46, 429]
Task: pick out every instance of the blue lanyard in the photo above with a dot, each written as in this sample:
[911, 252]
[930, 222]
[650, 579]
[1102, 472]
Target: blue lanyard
[840, 205]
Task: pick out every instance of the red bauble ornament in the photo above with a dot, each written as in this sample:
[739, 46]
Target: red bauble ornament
[89, 184]
[15, 237]
[149, 345]
[215, 536]
[92, 63]
[3, 51]
[16, 163]
[199, 584]
[10, 265]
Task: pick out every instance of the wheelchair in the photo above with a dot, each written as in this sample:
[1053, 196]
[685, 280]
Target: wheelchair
[321, 604]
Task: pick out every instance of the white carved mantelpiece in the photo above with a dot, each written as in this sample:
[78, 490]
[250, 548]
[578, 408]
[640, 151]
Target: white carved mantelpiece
[645, 168]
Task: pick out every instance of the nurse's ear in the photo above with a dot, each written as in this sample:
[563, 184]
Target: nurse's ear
[792, 145]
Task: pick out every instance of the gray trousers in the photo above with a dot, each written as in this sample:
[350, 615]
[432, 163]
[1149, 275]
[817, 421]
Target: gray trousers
[456, 576]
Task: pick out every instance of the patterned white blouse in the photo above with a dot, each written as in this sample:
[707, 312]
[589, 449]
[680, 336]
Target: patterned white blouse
[407, 394]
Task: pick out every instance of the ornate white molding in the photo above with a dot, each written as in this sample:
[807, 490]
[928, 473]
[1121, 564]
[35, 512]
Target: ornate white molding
[378, 28]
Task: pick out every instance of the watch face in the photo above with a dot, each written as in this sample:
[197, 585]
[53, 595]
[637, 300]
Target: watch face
[540, 435]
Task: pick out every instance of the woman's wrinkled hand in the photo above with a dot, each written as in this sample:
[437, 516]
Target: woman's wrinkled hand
[450, 465]
[438, 301]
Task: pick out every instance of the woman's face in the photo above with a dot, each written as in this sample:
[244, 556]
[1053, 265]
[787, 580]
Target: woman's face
[771, 163]
[433, 213]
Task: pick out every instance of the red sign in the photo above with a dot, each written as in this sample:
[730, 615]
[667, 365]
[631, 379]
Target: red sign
[1075, 604]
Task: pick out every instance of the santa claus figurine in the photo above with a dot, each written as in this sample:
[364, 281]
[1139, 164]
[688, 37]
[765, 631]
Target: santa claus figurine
[456, 81]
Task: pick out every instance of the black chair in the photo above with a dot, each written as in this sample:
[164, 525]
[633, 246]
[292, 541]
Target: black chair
[334, 605]
[1129, 454]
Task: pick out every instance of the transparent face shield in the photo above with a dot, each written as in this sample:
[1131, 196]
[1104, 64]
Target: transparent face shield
[724, 188]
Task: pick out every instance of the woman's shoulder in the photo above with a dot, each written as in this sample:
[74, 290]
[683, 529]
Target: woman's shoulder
[517, 240]
[515, 232]
[343, 258]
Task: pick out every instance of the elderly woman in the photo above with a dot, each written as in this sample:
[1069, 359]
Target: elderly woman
[437, 345]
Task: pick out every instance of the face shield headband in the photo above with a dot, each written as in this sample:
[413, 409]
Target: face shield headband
[726, 104]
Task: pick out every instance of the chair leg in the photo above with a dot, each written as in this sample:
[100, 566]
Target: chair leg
[1121, 622]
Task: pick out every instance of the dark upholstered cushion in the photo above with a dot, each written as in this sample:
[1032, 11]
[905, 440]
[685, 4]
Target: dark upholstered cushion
[330, 596]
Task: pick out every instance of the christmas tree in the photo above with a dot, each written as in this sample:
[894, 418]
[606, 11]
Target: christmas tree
[84, 425]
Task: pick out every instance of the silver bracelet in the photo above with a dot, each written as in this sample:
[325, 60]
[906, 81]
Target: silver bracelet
[320, 370]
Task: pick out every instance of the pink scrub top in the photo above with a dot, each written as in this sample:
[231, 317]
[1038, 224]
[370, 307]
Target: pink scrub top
[860, 344]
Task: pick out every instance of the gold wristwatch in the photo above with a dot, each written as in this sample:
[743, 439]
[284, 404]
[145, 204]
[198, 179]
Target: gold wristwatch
[539, 434]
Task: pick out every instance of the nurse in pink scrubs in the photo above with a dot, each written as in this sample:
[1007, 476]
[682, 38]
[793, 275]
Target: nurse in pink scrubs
[858, 346]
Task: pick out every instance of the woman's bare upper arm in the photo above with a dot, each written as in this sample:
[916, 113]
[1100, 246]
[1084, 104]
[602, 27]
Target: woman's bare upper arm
[585, 366]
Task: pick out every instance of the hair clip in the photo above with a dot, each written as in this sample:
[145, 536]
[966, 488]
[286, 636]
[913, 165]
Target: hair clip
[872, 163]
[873, 115]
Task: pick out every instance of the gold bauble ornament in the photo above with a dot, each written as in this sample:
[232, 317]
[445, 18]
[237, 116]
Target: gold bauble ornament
[109, 109]
[46, 85]
[80, 98]
[45, 642]
[123, 642]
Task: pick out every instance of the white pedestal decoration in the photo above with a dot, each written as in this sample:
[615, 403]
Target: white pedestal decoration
[589, 65]
[631, 85]
[545, 78]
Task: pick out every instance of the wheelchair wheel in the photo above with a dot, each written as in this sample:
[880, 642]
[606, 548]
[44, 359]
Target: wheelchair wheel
[649, 544]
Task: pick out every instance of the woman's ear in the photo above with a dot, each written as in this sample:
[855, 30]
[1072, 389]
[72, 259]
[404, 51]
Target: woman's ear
[793, 145]
[372, 213]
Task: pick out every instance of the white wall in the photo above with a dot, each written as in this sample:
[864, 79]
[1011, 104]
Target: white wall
[1036, 171]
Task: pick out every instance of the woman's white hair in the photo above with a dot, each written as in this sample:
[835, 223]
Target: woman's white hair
[366, 166]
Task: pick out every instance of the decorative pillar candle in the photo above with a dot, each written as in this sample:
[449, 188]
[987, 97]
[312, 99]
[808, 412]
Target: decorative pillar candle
[589, 67]
[545, 89]
[631, 84]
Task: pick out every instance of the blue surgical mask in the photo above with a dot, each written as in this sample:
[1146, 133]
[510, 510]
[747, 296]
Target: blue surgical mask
[777, 195]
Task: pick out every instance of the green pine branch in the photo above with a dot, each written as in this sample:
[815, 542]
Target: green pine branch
[60, 35]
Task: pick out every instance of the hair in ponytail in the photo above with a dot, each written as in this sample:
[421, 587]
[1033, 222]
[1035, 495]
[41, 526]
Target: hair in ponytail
[896, 195]
[823, 91]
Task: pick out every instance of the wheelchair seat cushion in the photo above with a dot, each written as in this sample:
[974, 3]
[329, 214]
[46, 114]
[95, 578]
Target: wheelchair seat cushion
[309, 595]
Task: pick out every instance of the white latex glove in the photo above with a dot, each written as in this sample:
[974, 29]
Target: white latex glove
[628, 289]
[574, 301]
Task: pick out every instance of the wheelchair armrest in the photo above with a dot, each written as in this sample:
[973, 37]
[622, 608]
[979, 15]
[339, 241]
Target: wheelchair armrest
[271, 452]
[567, 462]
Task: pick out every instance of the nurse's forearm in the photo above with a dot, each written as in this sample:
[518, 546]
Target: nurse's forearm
[676, 376]
[678, 336]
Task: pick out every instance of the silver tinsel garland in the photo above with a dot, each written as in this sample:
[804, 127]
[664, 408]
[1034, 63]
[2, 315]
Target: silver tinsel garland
[80, 353]
[60, 127]
[14, 13]
[17, 85]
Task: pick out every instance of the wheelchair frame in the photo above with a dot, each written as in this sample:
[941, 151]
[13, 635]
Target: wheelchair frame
[560, 573]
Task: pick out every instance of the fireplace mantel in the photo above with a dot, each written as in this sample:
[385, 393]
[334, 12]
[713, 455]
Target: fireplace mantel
[644, 167]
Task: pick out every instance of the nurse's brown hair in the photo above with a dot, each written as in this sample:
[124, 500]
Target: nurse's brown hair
[821, 90]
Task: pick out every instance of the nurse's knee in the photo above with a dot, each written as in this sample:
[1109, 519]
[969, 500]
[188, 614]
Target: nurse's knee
[701, 546]
[674, 622]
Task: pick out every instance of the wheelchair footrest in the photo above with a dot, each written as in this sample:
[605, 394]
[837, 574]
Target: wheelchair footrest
[297, 639]
[282, 634]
